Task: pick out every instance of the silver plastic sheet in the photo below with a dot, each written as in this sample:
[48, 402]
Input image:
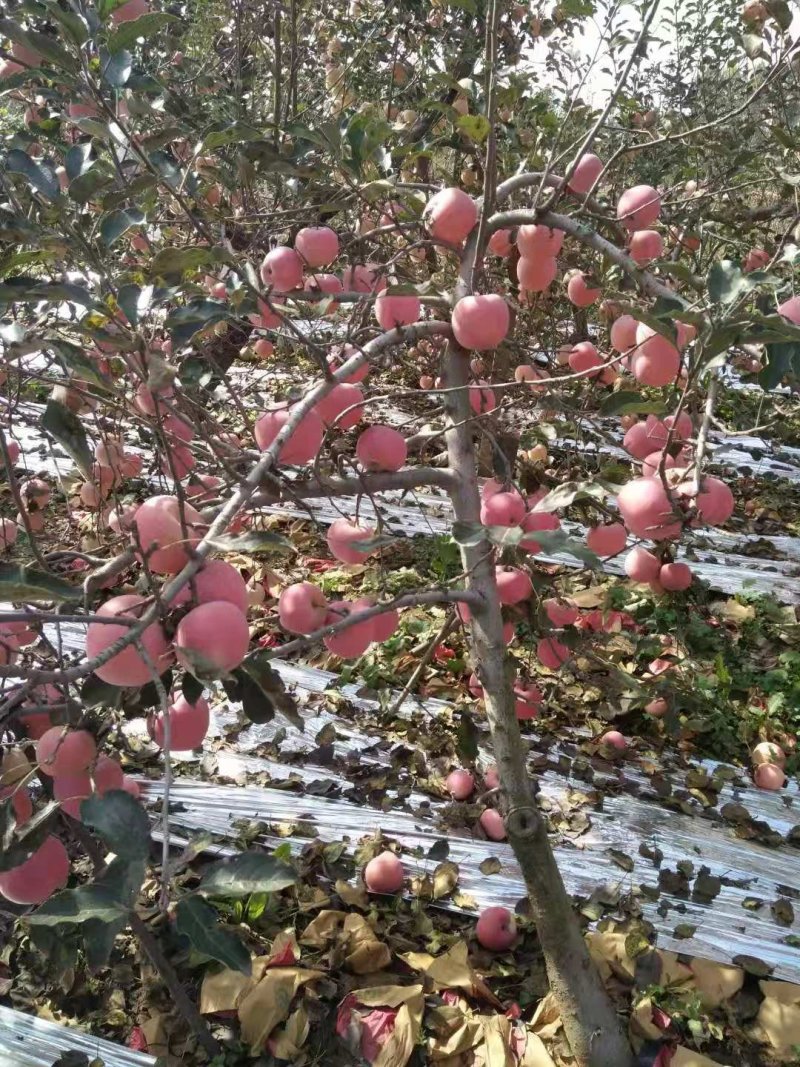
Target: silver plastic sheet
[724, 928]
[26, 1041]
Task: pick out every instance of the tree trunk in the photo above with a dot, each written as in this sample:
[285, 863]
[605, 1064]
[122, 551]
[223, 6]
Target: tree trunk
[590, 1021]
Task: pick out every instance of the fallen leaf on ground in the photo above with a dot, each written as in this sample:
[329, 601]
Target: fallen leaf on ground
[269, 1002]
[779, 1015]
[715, 982]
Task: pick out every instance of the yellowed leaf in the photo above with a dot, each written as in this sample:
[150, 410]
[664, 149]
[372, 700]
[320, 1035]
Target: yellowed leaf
[673, 972]
[269, 1002]
[733, 610]
[388, 996]
[321, 931]
[354, 896]
[365, 954]
[783, 992]
[715, 982]
[403, 1039]
[417, 961]
[497, 1041]
[445, 879]
[289, 1039]
[546, 1021]
[222, 991]
[641, 1023]
[156, 1034]
[607, 949]
[453, 1032]
[535, 1054]
[779, 1015]
[452, 970]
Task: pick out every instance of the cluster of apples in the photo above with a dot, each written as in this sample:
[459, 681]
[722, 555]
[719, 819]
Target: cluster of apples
[303, 608]
[768, 761]
[210, 640]
[35, 494]
[70, 758]
[111, 467]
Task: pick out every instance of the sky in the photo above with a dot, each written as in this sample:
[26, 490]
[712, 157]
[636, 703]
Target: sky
[600, 83]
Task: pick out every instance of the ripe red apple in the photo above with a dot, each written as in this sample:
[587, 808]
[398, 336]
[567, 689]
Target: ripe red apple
[513, 585]
[460, 784]
[496, 929]
[303, 442]
[302, 608]
[282, 270]
[450, 215]
[614, 739]
[768, 752]
[381, 448]
[481, 322]
[343, 540]
[586, 173]
[59, 752]
[384, 873]
[492, 824]
[188, 724]
[318, 246]
[639, 207]
[41, 875]
[213, 639]
[127, 668]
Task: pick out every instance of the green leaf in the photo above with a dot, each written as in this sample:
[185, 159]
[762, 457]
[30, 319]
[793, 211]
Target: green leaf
[78, 160]
[166, 168]
[31, 290]
[145, 26]
[116, 67]
[753, 45]
[177, 260]
[18, 583]
[467, 737]
[40, 175]
[121, 822]
[134, 301]
[115, 223]
[781, 12]
[198, 923]
[628, 403]
[782, 359]
[565, 494]
[98, 941]
[250, 872]
[80, 905]
[73, 25]
[476, 127]
[95, 693]
[46, 46]
[66, 428]
[553, 541]
[469, 534]
[256, 668]
[87, 186]
[230, 133]
[73, 359]
[185, 322]
[253, 543]
[18, 842]
[726, 282]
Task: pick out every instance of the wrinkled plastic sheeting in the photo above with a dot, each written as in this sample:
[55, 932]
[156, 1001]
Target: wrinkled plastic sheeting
[26, 1041]
[430, 515]
[724, 928]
